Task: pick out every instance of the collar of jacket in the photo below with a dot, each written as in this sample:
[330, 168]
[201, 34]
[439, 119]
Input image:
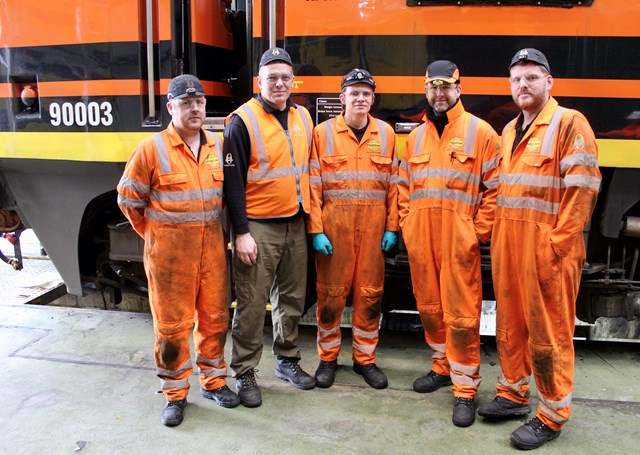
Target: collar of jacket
[270, 110]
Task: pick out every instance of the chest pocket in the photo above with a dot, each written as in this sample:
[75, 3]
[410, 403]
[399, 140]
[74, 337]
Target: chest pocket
[172, 181]
[381, 163]
[334, 171]
[534, 170]
[462, 173]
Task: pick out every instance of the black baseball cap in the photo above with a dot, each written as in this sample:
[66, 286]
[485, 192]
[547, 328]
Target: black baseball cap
[358, 76]
[276, 54]
[442, 71]
[184, 86]
[530, 55]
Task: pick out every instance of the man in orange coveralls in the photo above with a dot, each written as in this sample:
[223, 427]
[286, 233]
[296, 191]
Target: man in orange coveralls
[353, 220]
[171, 192]
[446, 195]
[549, 181]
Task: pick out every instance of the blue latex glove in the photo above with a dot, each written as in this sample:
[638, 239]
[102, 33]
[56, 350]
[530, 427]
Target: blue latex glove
[322, 244]
[389, 240]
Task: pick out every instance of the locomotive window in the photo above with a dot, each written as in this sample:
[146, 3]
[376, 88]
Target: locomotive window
[559, 3]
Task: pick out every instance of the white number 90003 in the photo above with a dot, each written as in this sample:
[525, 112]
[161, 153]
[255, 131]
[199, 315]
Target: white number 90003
[81, 114]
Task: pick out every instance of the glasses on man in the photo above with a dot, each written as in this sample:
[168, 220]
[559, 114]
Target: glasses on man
[528, 78]
[188, 103]
[273, 78]
[442, 87]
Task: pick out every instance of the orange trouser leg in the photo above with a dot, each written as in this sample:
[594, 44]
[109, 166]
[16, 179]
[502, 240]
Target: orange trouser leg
[368, 283]
[212, 311]
[543, 310]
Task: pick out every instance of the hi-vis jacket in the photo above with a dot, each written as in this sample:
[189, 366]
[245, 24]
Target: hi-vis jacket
[367, 177]
[277, 182]
[458, 174]
[160, 186]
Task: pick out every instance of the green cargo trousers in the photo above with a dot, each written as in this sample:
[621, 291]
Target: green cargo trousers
[281, 261]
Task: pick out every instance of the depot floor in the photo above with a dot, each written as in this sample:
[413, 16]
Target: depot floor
[83, 381]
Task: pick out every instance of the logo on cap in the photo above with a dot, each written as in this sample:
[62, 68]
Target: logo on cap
[523, 54]
[275, 52]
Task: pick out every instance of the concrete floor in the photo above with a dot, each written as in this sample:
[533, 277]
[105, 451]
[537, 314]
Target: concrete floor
[83, 381]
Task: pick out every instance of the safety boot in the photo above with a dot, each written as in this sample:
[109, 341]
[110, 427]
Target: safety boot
[173, 412]
[372, 375]
[224, 396]
[501, 408]
[532, 435]
[326, 373]
[288, 369]
[431, 382]
[248, 389]
[464, 412]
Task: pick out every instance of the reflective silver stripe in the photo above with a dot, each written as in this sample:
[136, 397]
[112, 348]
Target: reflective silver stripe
[491, 164]
[491, 183]
[161, 153]
[502, 380]
[546, 149]
[315, 180]
[363, 348]
[354, 194]
[355, 175]
[261, 149]
[186, 195]
[171, 384]
[213, 372]
[216, 140]
[578, 159]
[395, 179]
[438, 350]
[441, 193]
[403, 181]
[210, 362]
[467, 370]
[133, 203]
[528, 203]
[314, 164]
[134, 185]
[184, 217]
[307, 128]
[465, 380]
[550, 407]
[382, 131]
[330, 344]
[586, 181]
[446, 173]
[364, 334]
[187, 365]
[267, 174]
[404, 166]
[330, 147]
[419, 136]
[326, 333]
[542, 181]
[470, 140]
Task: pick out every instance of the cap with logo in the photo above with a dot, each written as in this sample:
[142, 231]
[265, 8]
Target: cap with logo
[442, 71]
[184, 86]
[276, 54]
[358, 76]
[530, 55]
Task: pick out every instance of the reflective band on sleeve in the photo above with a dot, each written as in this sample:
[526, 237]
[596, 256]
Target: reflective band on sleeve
[541, 181]
[578, 159]
[491, 164]
[184, 217]
[133, 203]
[135, 185]
[186, 195]
[586, 181]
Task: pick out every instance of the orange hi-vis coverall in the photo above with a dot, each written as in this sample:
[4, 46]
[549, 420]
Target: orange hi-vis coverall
[175, 203]
[546, 193]
[446, 194]
[353, 202]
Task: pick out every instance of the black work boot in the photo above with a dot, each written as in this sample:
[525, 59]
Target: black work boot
[464, 412]
[501, 408]
[431, 382]
[288, 369]
[248, 389]
[532, 435]
[326, 373]
[224, 396]
[173, 412]
[372, 375]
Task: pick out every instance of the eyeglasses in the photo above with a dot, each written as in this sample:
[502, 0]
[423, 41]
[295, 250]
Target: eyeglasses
[443, 88]
[273, 78]
[357, 93]
[529, 78]
[187, 103]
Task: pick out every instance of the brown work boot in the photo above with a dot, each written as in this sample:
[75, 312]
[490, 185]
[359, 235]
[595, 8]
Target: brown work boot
[532, 435]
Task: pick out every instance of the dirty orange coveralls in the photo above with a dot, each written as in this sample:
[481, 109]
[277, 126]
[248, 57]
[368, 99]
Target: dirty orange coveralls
[353, 201]
[175, 204]
[446, 195]
[547, 190]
